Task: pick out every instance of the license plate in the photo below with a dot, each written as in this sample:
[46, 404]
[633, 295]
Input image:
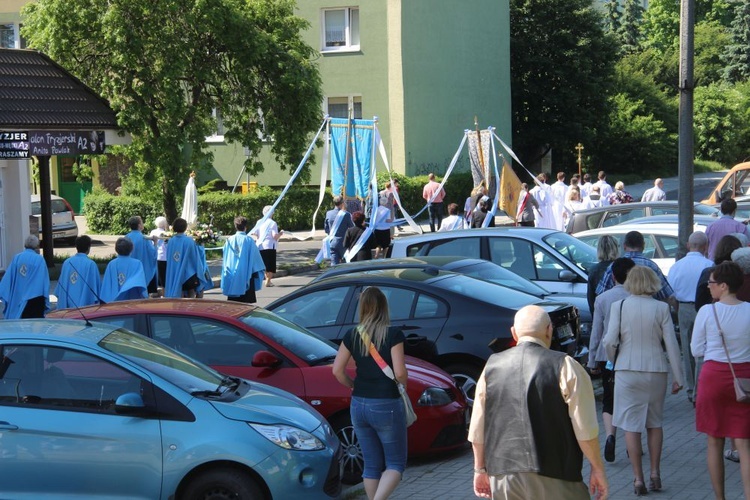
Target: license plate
[564, 332]
[57, 236]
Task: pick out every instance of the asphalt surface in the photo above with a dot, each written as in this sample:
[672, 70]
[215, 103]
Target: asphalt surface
[450, 476]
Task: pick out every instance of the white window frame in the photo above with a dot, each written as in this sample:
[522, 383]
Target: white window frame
[350, 98]
[348, 45]
[16, 34]
[218, 135]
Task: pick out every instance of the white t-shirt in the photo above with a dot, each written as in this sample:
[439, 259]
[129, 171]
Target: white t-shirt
[735, 323]
[161, 245]
[269, 242]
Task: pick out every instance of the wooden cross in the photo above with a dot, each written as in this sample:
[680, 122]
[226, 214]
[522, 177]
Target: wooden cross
[579, 148]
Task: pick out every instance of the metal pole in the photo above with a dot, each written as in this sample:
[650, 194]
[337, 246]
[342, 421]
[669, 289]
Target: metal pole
[685, 156]
[45, 201]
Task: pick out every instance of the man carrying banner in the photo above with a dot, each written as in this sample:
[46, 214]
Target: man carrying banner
[433, 195]
[526, 206]
[338, 220]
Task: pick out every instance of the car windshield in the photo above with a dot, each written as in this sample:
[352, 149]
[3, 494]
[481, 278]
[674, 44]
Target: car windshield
[303, 343]
[484, 291]
[488, 271]
[573, 249]
[185, 373]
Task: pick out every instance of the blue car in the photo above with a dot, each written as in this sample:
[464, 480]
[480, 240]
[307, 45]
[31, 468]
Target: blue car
[90, 410]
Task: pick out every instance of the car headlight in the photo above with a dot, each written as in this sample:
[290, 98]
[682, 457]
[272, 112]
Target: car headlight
[434, 396]
[289, 437]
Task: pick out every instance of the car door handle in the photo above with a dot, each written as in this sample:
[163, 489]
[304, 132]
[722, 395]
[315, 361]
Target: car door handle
[5, 426]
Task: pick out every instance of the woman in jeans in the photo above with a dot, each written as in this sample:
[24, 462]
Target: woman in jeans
[377, 410]
[718, 414]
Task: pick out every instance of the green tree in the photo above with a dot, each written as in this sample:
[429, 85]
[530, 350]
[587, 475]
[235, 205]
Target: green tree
[661, 24]
[736, 57]
[630, 28]
[711, 41]
[641, 131]
[719, 127]
[562, 65]
[613, 17]
[166, 65]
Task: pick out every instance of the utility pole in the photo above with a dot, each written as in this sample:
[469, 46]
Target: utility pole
[579, 148]
[685, 156]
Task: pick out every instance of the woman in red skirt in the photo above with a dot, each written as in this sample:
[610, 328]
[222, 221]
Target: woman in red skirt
[718, 414]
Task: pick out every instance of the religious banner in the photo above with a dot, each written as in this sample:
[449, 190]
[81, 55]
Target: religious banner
[510, 187]
[351, 157]
[481, 160]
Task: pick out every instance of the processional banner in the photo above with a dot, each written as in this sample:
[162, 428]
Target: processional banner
[351, 156]
[481, 160]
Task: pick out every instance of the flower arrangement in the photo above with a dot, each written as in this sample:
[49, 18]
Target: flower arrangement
[204, 234]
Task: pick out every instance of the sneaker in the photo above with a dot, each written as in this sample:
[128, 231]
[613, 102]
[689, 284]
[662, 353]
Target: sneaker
[609, 449]
[732, 455]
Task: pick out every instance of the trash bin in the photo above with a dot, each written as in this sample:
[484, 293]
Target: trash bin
[249, 187]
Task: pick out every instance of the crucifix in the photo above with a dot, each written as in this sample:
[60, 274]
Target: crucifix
[579, 148]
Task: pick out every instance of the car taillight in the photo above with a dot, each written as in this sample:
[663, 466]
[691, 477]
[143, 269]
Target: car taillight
[70, 209]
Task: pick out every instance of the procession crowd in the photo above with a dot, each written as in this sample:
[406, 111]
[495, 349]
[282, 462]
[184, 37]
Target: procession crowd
[162, 264]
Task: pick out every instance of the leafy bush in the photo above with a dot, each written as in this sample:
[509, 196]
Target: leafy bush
[109, 214]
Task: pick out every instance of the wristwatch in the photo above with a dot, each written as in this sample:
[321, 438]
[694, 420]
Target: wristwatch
[481, 470]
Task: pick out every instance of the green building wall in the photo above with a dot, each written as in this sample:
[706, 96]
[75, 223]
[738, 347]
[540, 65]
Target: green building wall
[425, 69]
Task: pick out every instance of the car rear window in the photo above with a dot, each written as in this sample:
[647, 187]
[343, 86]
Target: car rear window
[57, 207]
[303, 343]
[485, 291]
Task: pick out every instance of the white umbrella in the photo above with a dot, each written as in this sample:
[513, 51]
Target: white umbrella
[190, 203]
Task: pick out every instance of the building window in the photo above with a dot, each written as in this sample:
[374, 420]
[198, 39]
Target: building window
[218, 135]
[7, 36]
[341, 29]
[338, 107]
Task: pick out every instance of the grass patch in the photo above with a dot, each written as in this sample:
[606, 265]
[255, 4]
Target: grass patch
[705, 166]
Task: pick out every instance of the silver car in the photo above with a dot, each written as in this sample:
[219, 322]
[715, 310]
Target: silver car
[64, 226]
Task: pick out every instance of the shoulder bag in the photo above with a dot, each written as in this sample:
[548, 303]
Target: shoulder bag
[741, 385]
[411, 417]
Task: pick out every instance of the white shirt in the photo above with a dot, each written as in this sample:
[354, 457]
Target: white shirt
[452, 222]
[654, 194]
[604, 189]
[735, 323]
[382, 214]
[269, 242]
[585, 189]
[684, 274]
[589, 203]
[161, 245]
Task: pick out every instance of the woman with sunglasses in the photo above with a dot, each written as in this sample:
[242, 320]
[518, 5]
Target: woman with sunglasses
[718, 414]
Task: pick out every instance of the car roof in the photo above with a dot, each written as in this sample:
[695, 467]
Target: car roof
[162, 306]
[33, 329]
[698, 219]
[485, 231]
[669, 229]
[400, 262]
[635, 204]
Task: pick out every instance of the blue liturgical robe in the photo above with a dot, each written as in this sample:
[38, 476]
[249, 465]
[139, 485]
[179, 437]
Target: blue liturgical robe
[79, 283]
[26, 278]
[183, 261]
[123, 280]
[145, 251]
[242, 264]
[207, 283]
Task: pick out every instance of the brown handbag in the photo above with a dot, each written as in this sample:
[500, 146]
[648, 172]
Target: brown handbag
[741, 385]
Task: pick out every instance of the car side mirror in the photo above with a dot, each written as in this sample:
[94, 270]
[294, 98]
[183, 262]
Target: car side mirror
[130, 403]
[265, 359]
[567, 275]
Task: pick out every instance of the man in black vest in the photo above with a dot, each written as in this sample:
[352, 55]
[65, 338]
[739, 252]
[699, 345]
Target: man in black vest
[534, 418]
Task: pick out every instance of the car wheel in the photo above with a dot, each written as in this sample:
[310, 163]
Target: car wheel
[352, 461]
[221, 484]
[466, 375]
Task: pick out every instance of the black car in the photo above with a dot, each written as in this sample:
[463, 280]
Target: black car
[449, 319]
[612, 215]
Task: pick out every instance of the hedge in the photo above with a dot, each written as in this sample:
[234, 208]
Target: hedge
[109, 214]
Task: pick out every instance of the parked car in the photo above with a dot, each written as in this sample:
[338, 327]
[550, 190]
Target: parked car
[64, 226]
[674, 219]
[256, 344]
[475, 268]
[449, 319]
[613, 215]
[735, 183]
[90, 410]
[661, 240]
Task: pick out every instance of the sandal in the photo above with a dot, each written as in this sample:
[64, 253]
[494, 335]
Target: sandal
[654, 483]
[732, 455]
[639, 488]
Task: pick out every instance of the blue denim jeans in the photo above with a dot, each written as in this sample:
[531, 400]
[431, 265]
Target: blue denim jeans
[380, 425]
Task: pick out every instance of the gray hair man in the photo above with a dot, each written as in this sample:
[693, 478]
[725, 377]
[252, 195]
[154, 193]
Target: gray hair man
[683, 277]
[542, 401]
